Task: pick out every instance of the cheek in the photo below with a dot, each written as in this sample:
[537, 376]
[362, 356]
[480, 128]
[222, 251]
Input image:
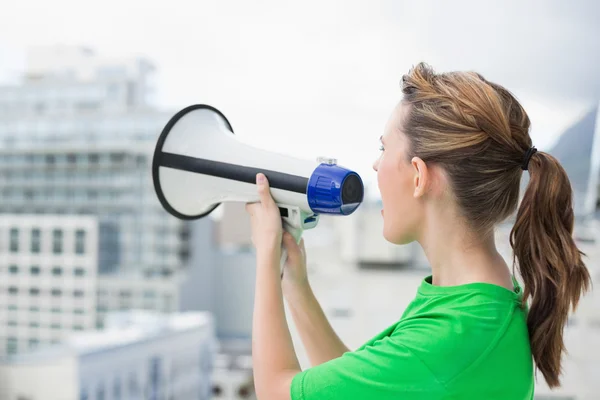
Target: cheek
[400, 210]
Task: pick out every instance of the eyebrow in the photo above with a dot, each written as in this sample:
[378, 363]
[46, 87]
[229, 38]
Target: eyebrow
[381, 138]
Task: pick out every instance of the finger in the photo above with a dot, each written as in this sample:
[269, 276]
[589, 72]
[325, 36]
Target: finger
[264, 191]
[293, 250]
[302, 248]
[251, 208]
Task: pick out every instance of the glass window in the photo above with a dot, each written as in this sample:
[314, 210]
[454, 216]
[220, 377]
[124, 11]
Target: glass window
[55, 310]
[12, 307]
[78, 311]
[34, 291]
[34, 324]
[14, 240]
[11, 345]
[34, 309]
[79, 271]
[55, 325]
[78, 293]
[57, 271]
[33, 343]
[117, 390]
[35, 270]
[13, 269]
[80, 241]
[100, 393]
[56, 292]
[57, 241]
[13, 290]
[149, 294]
[35, 240]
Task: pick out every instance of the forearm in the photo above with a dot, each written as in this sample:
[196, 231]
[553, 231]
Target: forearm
[273, 353]
[320, 340]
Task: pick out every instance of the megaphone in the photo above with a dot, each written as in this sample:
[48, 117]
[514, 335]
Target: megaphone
[198, 164]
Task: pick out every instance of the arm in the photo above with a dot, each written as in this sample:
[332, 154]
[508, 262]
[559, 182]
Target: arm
[274, 361]
[320, 340]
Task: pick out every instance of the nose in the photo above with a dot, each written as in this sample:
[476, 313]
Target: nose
[376, 165]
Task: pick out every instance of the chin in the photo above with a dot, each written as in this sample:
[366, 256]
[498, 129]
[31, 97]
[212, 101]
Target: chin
[396, 237]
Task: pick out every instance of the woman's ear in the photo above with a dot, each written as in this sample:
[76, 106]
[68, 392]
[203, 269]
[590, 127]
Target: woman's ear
[421, 176]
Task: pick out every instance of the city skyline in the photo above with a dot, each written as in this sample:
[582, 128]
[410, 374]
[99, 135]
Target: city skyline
[312, 83]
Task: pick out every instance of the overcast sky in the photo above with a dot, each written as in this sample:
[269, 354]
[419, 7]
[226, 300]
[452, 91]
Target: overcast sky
[320, 77]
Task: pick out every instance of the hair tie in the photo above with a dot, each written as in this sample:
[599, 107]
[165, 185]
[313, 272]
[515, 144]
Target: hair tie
[532, 150]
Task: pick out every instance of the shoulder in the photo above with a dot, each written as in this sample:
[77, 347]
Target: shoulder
[449, 337]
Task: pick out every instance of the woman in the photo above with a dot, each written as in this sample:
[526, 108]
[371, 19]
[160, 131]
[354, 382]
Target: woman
[452, 156]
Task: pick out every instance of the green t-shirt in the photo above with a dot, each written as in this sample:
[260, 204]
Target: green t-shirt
[452, 342]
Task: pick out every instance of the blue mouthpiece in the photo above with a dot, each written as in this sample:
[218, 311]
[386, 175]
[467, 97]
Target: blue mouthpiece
[334, 190]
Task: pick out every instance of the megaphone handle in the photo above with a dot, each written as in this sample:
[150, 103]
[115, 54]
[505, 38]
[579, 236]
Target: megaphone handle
[297, 234]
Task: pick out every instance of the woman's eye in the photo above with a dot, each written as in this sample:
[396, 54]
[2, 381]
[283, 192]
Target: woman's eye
[381, 148]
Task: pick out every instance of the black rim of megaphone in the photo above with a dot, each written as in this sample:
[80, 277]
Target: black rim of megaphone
[158, 153]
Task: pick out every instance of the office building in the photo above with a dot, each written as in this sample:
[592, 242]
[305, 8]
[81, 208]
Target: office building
[48, 267]
[77, 136]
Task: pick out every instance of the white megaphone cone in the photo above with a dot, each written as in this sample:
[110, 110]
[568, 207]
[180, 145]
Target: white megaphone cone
[198, 164]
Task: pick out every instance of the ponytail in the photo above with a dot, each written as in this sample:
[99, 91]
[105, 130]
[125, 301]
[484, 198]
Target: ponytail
[548, 260]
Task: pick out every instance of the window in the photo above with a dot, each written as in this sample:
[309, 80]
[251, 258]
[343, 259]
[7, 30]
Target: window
[100, 392]
[79, 271]
[34, 324]
[57, 271]
[149, 294]
[55, 325]
[117, 157]
[83, 395]
[12, 307]
[78, 293]
[14, 240]
[13, 290]
[35, 240]
[77, 327]
[12, 323]
[56, 292]
[55, 310]
[78, 311]
[80, 241]
[35, 270]
[13, 269]
[11, 345]
[33, 343]
[117, 390]
[57, 241]
[34, 309]
[34, 291]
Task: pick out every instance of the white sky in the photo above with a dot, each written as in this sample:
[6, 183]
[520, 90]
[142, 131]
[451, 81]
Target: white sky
[313, 77]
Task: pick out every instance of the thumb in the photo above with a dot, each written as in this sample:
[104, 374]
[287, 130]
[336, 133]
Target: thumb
[263, 190]
[293, 250]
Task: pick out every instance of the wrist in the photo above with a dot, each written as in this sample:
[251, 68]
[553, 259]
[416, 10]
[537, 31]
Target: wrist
[296, 290]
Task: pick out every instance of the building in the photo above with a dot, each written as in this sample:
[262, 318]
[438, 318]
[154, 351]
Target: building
[48, 267]
[138, 356]
[76, 138]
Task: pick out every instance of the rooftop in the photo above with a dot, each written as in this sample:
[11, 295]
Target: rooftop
[122, 329]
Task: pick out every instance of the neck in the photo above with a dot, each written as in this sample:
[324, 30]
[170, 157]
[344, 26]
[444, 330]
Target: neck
[457, 256]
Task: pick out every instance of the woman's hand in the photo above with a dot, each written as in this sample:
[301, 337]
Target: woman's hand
[265, 219]
[294, 272]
